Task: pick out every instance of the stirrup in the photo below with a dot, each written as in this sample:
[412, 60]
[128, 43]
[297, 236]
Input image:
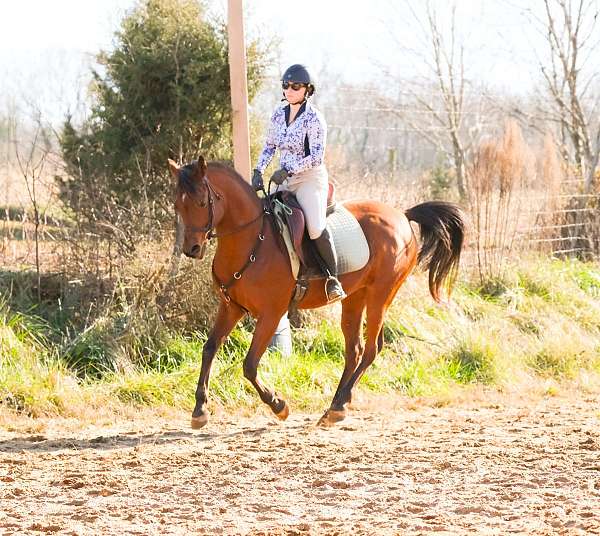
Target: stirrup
[334, 290]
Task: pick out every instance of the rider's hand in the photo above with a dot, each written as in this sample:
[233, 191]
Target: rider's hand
[257, 180]
[279, 176]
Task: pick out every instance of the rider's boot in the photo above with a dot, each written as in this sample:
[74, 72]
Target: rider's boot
[326, 250]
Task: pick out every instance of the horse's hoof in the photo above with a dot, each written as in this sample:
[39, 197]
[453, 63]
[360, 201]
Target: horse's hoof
[280, 408]
[284, 413]
[200, 421]
[331, 417]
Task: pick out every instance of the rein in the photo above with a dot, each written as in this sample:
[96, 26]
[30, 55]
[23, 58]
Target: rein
[209, 228]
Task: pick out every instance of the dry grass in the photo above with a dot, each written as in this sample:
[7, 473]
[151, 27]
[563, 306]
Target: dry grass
[13, 188]
[355, 182]
[502, 171]
[127, 314]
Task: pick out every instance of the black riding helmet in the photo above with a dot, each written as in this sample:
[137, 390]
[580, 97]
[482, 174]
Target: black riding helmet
[299, 73]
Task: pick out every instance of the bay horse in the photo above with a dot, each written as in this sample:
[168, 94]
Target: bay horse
[251, 270]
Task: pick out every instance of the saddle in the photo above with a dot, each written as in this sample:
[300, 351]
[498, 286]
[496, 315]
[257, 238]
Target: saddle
[296, 223]
[351, 245]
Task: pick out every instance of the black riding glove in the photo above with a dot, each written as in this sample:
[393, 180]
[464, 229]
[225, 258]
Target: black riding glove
[279, 176]
[257, 180]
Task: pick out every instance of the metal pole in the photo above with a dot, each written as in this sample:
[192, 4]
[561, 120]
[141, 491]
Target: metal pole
[282, 339]
[239, 88]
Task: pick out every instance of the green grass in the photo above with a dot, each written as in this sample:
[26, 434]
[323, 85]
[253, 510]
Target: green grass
[541, 323]
[472, 361]
[32, 380]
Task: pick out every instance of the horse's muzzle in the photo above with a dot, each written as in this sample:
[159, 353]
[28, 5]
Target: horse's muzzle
[197, 251]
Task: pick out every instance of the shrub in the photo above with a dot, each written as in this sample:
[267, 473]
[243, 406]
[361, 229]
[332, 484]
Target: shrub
[163, 92]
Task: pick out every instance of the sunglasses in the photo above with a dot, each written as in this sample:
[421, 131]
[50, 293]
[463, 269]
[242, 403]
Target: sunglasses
[294, 85]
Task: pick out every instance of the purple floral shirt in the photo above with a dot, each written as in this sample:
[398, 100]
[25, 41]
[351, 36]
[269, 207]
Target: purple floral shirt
[309, 125]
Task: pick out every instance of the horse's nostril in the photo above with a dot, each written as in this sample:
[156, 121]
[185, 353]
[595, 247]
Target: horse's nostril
[195, 250]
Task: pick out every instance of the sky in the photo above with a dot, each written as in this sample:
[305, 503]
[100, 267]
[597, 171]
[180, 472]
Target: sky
[47, 47]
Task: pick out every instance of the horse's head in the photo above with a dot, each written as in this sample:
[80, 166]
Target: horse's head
[195, 204]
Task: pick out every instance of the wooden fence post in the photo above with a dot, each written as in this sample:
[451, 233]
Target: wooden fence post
[239, 88]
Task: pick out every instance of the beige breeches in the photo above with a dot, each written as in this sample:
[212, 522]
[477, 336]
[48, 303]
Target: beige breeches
[310, 188]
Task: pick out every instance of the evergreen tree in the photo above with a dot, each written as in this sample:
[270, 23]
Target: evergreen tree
[162, 92]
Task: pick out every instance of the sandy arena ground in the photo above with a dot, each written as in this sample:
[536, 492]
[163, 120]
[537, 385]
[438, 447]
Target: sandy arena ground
[507, 467]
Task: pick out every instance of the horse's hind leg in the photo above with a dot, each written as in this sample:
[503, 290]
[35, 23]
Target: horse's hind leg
[377, 304]
[227, 317]
[264, 331]
[380, 340]
[353, 308]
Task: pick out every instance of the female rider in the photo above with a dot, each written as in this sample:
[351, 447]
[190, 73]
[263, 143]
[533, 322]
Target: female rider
[299, 131]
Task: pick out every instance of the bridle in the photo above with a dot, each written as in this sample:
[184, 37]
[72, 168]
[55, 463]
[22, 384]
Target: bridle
[207, 230]
[209, 233]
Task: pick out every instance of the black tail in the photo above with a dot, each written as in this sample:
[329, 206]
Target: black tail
[442, 233]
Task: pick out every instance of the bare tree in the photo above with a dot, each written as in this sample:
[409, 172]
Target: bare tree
[436, 104]
[570, 31]
[31, 167]
[8, 124]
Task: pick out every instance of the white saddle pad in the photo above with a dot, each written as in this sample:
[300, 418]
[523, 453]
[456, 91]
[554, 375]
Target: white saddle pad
[350, 242]
[348, 237]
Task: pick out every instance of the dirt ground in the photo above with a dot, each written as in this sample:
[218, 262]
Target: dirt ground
[525, 466]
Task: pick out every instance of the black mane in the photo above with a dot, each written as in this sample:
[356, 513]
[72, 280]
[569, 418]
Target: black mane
[188, 185]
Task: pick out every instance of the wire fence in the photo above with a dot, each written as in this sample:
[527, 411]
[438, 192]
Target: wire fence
[571, 228]
[372, 142]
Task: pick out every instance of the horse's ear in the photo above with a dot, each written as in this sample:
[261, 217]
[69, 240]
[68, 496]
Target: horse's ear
[201, 166]
[174, 168]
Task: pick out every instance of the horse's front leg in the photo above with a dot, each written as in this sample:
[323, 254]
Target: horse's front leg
[227, 317]
[265, 329]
